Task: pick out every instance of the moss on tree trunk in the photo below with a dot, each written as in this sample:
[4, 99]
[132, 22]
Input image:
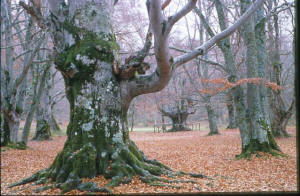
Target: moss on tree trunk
[255, 145]
[42, 131]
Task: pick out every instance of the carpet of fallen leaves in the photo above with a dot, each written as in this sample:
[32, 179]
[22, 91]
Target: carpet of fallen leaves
[190, 151]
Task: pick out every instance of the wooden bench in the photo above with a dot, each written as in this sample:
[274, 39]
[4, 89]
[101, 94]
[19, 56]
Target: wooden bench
[158, 127]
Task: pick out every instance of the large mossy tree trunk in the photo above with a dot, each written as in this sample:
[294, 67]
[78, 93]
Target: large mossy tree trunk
[98, 140]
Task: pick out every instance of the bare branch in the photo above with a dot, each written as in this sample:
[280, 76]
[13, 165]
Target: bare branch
[277, 10]
[21, 77]
[228, 31]
[201, 59]
[184, 11]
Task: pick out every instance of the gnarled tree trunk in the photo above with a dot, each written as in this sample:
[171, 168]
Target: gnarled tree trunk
[178, 113]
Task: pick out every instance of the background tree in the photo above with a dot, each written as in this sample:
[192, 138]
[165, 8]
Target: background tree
[281, 113]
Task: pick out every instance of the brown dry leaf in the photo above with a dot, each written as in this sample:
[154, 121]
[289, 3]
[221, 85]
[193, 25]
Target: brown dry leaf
[189, 151]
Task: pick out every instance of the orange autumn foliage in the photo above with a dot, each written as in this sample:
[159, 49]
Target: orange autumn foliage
[227, 85]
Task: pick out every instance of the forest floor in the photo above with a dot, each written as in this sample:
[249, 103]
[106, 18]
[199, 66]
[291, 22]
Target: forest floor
[190, 151]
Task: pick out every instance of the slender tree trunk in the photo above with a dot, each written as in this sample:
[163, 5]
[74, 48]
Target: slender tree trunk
[212, 118]
[164, 128]
[42, 131]
[53, 123]
[43, 114]
[237, 91]
[231, 111]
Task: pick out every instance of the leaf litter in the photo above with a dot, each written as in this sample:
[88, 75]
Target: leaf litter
[189, 151]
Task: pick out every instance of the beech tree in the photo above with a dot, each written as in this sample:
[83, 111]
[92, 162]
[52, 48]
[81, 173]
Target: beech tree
[178, 113]
[100, 89]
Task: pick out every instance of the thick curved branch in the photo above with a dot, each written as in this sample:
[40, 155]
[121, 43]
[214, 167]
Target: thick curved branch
[228, 31]
[157, 80]
[161, 76]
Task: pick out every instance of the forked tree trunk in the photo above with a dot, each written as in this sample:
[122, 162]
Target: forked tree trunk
[97, 135]
[178, 115]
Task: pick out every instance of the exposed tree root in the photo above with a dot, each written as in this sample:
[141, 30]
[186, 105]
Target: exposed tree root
[122, 165]
[254, 148]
